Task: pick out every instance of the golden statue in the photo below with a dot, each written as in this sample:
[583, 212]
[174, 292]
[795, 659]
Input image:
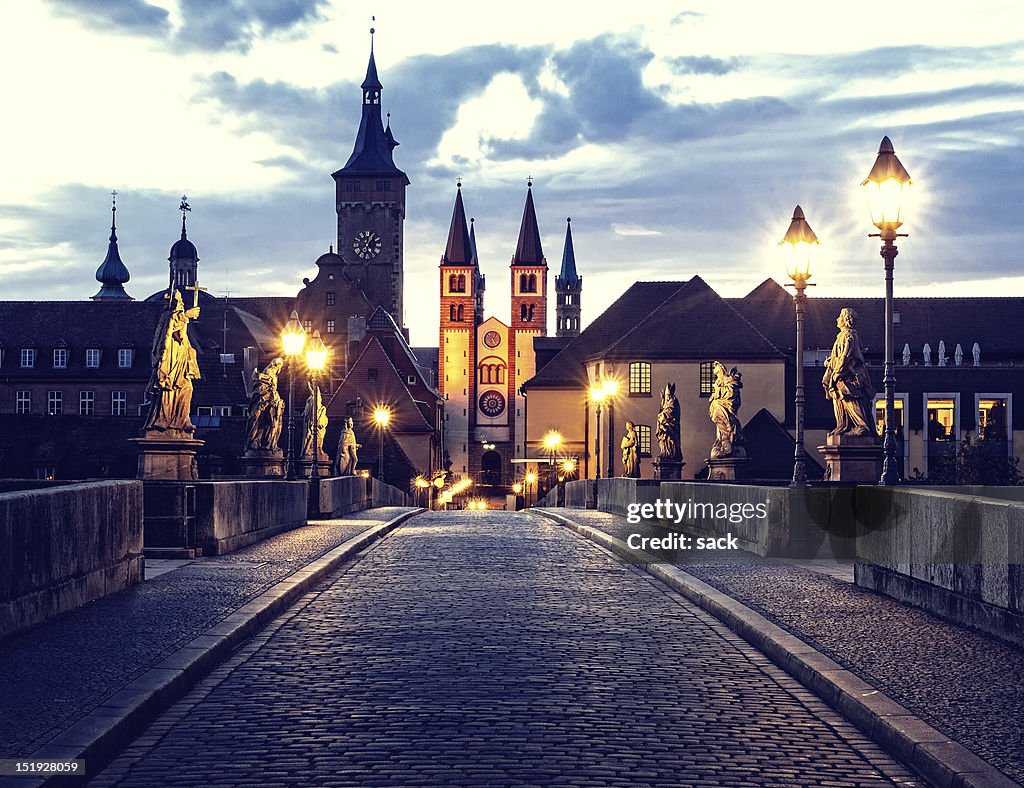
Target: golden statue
[847, 382]
[174, 368]
[630, 453]
[266, 409]
[723, 410]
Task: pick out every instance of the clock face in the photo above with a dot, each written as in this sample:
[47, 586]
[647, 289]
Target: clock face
[366, 244]
[492, 339]
[492, 403]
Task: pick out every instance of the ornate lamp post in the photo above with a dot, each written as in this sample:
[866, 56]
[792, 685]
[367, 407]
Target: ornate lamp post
[422, 485]
[597, 396]
[293, 338]
[796, 245]
[552, 440]
[316, 358]
[531, 480]
[611, 388]
[886, 188]
[381, 417]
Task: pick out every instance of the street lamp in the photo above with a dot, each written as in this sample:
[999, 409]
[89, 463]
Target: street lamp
[886, 189]
[568, 467]
[381, 417]
[611, 388]
[422, 485]
[316, 358]
[293, 338]
[796, 246]
[597, 396]
[531, 480]
[552, 440]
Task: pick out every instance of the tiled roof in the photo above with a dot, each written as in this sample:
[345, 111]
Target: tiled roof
[528, 248]
[459, 249]
[567, 368]
[695, 322]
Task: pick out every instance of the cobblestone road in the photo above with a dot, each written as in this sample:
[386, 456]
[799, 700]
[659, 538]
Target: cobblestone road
[497, 648]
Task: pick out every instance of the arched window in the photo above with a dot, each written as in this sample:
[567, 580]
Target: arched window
[451, 312]
[530, 318]
[461, 315]
[522, 312]
[453, 283]
[533, 283]
[462, 283]
[523, 283]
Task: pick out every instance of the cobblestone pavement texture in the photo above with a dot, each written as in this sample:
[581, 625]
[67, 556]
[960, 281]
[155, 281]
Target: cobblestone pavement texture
[52, 674]
[495, 648]
[966, 684]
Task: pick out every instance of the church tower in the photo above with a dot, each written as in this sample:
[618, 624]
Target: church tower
[370, 200]
[529, 272]
[184, 258]
[112, 273]
[568, 288]
[460, 288]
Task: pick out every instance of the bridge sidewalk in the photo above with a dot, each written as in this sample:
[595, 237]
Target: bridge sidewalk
[963, 683]
[73, 686]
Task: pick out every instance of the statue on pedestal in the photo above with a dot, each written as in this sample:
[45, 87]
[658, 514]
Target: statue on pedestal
[315, 408]
[847, 382]
[347, 456]
[723, 410]
[174, 368]
[630, 453]
[266, 409]
[668, 426]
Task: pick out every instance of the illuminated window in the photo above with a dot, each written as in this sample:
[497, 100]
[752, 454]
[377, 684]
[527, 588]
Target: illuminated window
[92, 357]
[60, 358]
[941, 421]
[124, 358]
[643, 439]
[639, 378]
[993, 424]
[706, 378]
[330, 326]
[28, 358]
[118, 403]
[880, 416]
[54, 403]
[307, 326]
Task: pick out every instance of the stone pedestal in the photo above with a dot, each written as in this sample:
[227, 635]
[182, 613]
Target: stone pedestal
[261, 463]
[170, 459]
[305, 465]
[852, 458]
[668, 470]
[727, 469]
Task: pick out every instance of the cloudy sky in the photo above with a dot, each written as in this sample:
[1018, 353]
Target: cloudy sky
[678, 135]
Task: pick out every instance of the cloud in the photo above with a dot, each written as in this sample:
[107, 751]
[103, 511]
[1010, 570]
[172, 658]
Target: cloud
[632, 230]
[685, 16]
[704, 64]
[128, 16]
[235, 24]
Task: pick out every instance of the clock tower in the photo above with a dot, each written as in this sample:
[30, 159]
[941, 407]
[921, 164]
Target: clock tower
[370, 200]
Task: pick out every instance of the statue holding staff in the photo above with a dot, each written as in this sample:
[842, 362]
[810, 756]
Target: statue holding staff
[347, 457]
[847, 382]
[175, 366]
[266, 409]
[630, 453]
[668, 425]
[315, 409]
[723, 409]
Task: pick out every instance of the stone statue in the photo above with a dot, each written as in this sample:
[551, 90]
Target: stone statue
[668, 426]
[724, 412]
[958, 355]
[847, 382]
[906, 354]
[347, 457]
[174, 368]
[976, 352]
[927, 354]
[314, 405]
[943, 358]
[630, 453]
[266, 409]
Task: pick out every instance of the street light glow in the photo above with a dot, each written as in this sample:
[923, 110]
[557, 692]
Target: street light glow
[422, 483]
[552, 440]
[886, 188]
[531, 477]
[597, 394]
[382, 416]
[569, 465]
[796, 246]
[517, 488]
[316, 353]
[293, 337]
[611, 387]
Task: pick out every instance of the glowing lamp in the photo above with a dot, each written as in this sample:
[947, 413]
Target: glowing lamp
[293, 337]
[611, 388]
[569, 465]
[886, 188]
[597, 394]
[531, 477]
[552, 440]
[316, 353]
[382, 416]
[796, 247]
[422, 483]
[517, 488]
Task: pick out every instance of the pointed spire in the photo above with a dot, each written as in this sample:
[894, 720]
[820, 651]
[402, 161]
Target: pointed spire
[528, 249]
[112, 273]
[459, 250]
[568, 272]
[372, 81]
[184, 249]
[472, 241]
[389, 137]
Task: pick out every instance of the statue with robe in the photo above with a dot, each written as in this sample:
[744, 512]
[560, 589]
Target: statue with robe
[723, 409]
[266, 409]
[667, 429]
[175, 366]
[347, 457]
[846, 381]
[630, 453]
[314, 419]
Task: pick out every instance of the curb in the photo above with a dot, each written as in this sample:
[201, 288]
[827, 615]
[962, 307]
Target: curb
[939, 759]
[102, 733]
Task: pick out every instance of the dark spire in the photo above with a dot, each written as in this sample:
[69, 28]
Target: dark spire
[472, 241]
[568, 272]
[389, 137]
[528, 250]
[372, 152]
[459, 250]
[112, 273]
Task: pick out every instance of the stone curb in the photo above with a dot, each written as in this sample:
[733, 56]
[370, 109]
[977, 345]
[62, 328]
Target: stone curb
[936, 757]
[107, 729]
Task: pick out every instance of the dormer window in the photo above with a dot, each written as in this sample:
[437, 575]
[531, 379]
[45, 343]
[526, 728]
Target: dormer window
[28, 358]
[92, 357]
[124, 357]
[60, 358]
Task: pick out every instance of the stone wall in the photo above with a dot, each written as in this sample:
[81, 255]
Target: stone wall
[232, 514]
[340, 495]
[61, 547]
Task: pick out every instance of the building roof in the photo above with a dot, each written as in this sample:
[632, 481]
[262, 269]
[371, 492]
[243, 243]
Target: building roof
[568, 273]
[568, 367]
[460, 247]
[694, 322]
[183, 248]
[528, 248]
[112, 273]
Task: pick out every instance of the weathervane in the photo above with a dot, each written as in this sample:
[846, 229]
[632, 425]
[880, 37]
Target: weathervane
[458, 182]
[184, 207]
[529, 181]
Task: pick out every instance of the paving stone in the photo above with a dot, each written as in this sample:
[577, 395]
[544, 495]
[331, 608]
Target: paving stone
[496, 648]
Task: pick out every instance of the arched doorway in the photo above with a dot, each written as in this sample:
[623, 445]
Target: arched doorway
[490, 469]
